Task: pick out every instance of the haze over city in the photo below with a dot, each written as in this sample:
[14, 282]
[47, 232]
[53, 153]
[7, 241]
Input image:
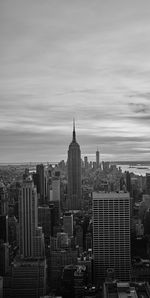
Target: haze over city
[84, 59]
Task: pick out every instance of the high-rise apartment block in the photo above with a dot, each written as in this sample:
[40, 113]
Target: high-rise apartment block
[74, 174]
[111, 234]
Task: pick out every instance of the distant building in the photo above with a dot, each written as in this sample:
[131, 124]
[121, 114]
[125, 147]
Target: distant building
[86, 162]
[79, 235]
[128, 182]
[125, 290]
[68, 280]
[56, 263]
[88, 240]
[140, 270]
[106, 166]
[3, 200]
[55, 214]
[148, 183]
[111, 234]
[55, 194]
[41, 181]
[87, 261]
[144, 205]
[12, 230]
[139, 228]
[4, 258]
[44, 220]
[146, 222]
[79, 281]
[97, 159]
[62, 240]
[68, 223]
[4, 228]
[74, 174]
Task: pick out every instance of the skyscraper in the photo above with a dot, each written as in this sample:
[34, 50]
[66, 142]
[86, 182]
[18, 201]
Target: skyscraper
[31, 241]
[111, 234]
[74, 174]
[41, 184]
[148, 183]
[97, 159]
[68, 223]
[27, 272]
[56, 189]
[4, 228]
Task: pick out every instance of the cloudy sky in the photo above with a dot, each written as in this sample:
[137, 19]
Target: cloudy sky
[88, 59]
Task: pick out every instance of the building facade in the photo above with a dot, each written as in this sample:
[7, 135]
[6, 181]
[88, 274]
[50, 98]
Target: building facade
[68, 224]
[30, 235]
[111, 235]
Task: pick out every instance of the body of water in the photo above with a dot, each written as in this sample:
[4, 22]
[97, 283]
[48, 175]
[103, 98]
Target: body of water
[140, 170]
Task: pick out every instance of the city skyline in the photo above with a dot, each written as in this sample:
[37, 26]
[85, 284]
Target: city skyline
[82, 59]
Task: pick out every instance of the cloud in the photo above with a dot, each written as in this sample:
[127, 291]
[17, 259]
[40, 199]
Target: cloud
[82, 59]
[140, 107]
[141, 95]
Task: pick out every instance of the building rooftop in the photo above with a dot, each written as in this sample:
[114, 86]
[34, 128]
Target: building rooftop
[110, 195]
[126, 290]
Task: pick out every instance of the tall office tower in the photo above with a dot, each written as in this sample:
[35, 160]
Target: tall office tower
[41, 184]
[86, 162]
[128, 182]
[111, 235]
[74, 174]
[55, 195]
[27, 279]
[44, 220]
[3, 199]
[68, 223]
[148, 183]
[1, 286]
[12, 230]
[97, 159]
[29, 233]
[4, 257]
[4, 228]
[55, 215]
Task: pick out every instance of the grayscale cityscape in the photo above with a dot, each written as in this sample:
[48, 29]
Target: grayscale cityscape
[74, 149]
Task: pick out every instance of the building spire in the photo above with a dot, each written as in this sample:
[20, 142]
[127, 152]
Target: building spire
[74, 132]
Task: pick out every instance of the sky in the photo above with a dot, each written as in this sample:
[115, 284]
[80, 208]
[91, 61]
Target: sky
[88, 59]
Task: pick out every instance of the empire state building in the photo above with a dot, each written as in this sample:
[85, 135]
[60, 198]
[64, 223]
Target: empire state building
[74, 174]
